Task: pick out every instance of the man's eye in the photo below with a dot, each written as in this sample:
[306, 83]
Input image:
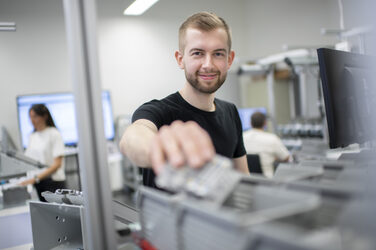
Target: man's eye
[219, 54]
[197, 53]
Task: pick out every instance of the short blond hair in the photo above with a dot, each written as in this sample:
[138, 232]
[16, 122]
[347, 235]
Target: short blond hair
[204, 21]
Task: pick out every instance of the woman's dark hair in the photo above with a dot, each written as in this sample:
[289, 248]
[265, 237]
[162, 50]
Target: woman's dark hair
[42, 110]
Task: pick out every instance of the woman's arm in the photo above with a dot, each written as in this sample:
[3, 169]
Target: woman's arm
[46, 173]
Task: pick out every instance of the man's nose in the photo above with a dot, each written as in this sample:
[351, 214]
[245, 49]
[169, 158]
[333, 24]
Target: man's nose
[208, 62]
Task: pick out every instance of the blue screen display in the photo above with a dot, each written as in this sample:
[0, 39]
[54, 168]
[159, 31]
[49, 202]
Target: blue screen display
[61, 107]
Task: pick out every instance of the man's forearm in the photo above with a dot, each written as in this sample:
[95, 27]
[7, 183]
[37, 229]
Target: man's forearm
[241, 164]
[136, 143]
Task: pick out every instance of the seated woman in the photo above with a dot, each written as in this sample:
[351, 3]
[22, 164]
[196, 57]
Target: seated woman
[46, 146]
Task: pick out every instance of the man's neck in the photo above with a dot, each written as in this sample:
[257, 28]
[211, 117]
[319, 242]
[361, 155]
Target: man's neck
[198, 99]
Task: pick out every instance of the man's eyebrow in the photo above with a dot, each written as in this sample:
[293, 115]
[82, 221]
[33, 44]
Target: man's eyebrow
[195, 49]
[216, 50]
[220, 50]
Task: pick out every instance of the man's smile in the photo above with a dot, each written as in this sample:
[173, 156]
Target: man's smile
[207, 76]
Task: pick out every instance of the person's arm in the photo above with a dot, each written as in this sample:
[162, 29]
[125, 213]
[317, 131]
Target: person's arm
[241, 164]
[136, 142]
[178, 144]
[46, 173]
[287, 159]
[281, 152]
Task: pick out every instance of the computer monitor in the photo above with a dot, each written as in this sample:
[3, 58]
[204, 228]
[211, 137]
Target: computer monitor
[61, 107]
[349, 92]
[245, 116]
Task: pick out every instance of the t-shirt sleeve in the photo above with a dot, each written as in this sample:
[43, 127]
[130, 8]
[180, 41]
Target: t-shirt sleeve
[57, 144]
[150, 111]
[240, 149]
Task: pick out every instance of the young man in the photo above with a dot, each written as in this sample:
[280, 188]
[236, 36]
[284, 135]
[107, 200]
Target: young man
[190, 126]
[267, 145]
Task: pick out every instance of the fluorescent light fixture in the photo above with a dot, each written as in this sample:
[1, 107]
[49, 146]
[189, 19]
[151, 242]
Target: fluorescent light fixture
[7, 26]
[138, 7]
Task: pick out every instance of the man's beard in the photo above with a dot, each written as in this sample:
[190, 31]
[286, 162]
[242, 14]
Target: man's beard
[194, 81]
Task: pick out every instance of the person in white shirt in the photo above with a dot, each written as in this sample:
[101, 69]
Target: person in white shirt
[268, 146]
[46, 146]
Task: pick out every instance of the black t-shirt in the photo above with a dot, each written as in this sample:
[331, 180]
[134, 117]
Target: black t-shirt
[223, 124]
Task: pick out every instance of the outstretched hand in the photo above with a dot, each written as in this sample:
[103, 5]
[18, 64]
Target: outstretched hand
[27, 182]
[181, 143]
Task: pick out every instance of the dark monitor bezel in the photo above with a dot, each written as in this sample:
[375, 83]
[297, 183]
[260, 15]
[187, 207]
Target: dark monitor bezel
[334, 65]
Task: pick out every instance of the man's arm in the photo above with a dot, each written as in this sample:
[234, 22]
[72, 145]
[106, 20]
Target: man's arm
[178, 144]
[136, 142]
[281, 152]
[287, 159]
[241, 164]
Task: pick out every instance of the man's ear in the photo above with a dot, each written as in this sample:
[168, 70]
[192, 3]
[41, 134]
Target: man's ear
[231, 57]
[179, 59]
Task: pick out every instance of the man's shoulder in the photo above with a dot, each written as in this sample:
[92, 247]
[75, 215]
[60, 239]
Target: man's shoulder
[272, 137]
[262, 133]
[223, 103]
[225, 106]
[159, 112]
[248, 132]
[170, 99]
[173, 96]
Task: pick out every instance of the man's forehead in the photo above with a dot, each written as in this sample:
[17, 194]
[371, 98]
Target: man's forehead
[192, 34]
[197, 31]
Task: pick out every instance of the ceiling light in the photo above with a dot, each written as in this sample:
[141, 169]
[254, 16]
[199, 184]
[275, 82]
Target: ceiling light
[7, 26]
[138, 7]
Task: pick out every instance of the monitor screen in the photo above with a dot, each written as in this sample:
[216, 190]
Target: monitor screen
[61, 107]
[350, 96]
[245, 116]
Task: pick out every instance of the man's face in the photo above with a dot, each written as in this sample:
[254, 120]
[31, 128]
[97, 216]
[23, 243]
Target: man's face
[206, 59]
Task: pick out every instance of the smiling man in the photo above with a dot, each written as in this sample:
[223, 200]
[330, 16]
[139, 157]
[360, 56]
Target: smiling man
[191, 125]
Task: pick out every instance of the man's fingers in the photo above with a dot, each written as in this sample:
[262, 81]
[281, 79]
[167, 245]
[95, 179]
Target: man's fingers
[171, 146]
[179, 144]
[204, 143]
[157, 157]
[195, 143]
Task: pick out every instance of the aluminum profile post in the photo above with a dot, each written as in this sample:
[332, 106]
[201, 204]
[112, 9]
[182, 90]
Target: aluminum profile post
[80, 21]
[271, 96]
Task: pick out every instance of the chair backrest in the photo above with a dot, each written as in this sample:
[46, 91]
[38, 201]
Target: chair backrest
[254, 165]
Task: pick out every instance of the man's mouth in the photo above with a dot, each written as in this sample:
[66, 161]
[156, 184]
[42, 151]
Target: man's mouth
[207, 76]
